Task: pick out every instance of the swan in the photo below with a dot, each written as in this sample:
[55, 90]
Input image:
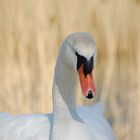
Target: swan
[76, 60]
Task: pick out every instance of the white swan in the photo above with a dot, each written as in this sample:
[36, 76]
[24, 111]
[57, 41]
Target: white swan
[77, 55]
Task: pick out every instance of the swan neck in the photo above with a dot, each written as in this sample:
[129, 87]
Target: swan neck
[64, 104]
[64, 90]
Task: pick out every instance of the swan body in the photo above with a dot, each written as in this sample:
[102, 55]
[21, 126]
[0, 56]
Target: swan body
[37, 126]
[67, 122]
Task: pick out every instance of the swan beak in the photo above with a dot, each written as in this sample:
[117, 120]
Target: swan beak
[87, 83]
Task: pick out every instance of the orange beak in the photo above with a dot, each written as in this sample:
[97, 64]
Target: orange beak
[87, 83]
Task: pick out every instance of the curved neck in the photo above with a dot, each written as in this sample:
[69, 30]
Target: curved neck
[64, 87]
[64, 104]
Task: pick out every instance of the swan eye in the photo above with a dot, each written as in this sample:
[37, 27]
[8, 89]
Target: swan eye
[77, 54]
[87, 64]
[80, 60]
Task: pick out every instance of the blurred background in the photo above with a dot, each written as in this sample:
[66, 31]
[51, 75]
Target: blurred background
[31, 33]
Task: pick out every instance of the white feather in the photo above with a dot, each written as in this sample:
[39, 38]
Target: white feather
[37, 127]
[65, 123]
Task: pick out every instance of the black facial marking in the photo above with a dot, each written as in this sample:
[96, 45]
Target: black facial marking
[87, 64]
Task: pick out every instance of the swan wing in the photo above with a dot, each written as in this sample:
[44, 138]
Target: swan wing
[37, 127]
[25, 127]
[95, 122]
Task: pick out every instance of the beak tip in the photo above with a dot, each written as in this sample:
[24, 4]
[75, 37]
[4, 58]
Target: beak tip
[90, 95]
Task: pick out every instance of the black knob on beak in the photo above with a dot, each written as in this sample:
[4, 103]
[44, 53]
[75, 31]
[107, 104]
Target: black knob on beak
[88, 64]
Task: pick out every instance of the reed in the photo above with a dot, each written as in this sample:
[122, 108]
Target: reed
[31, 33]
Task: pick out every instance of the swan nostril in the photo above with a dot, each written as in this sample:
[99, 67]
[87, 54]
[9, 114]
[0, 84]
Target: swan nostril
[89, 96]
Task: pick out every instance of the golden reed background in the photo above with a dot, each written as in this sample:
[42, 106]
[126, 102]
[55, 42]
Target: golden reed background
[31, 32]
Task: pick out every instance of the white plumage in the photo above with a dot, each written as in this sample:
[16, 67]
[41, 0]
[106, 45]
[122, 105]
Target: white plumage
[66, 122]
[37, 127]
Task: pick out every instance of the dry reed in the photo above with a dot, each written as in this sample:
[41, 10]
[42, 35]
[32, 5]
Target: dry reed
[31, 33]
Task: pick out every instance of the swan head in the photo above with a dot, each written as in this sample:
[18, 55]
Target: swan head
[79, 53]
